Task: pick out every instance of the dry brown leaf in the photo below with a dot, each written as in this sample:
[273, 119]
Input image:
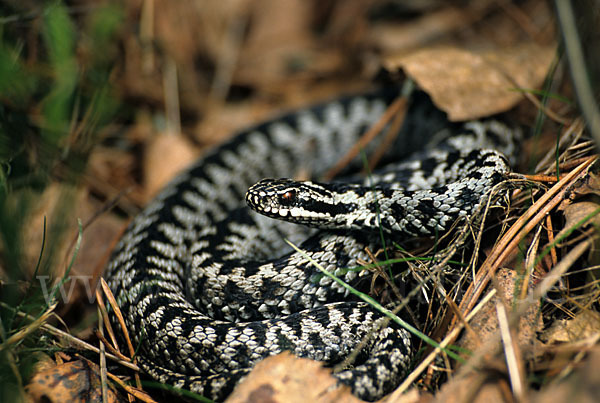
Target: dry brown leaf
[485, 384]
[285, 378]
[591, 185]
[581, 386]
[576, 212]
[276, 41]
[221, 122]
[96, 242]
[166, 155]
[76, 381]
[394, 37]
[469, 84]
[475, 388]
[47, 206]
[582, 326]
[485, 323]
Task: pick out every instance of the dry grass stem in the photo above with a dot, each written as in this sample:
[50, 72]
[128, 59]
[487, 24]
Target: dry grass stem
[392, 110]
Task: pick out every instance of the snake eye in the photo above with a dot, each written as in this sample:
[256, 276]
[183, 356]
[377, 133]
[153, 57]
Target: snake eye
[287, 198]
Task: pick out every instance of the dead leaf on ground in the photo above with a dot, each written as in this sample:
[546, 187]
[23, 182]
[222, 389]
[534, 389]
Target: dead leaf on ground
[485, 323]
[582, 214]
[488, 384]
[166, 155]
[50, 206]
[580, 386]
[394, 37]
[475, 388]
[591, 185]
[285, 378]
[76, 381]
[470, 84]
[96, 242]
[276, 42]
[583, 325]
[577, 212]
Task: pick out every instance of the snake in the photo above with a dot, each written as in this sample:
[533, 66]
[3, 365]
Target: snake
[208, 285]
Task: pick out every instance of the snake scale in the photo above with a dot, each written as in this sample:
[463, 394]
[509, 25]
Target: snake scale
[208, 287]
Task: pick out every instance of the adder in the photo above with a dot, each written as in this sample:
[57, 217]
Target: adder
[208, 288]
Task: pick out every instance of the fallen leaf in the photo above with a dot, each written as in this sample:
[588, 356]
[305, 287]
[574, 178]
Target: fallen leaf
[580, 386]
[585, 324]
[485, 323]
[276, 42]
[286, 378]
[417, 32]
[470, 84]
[76, 381]
[413, 395]
[52, 206]
[590, 186]
[166, 155]
[475, 388]
[577, 212]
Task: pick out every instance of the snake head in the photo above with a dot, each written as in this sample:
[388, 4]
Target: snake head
[306, 202]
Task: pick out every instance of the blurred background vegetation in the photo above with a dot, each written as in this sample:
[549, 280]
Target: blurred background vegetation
[56, 96]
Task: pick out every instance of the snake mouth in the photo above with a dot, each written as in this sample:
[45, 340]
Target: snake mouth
[265, 196]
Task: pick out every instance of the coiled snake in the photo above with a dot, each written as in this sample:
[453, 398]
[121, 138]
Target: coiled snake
[208, 288]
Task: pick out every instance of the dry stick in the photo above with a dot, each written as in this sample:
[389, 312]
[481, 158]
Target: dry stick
[570, 164]
[60, 333]
[110, 348]
[514, 235]
[103, 370]
[104, 313]
[512, 352]
[491, 346]
[550, 231]
[492, 342]
[389, 137]
[543, 178]
[27, 330]
[530, 258]
[113, 302]
[117, 310]
[143, 396]
[394, 108]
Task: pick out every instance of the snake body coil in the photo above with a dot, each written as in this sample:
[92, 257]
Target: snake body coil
[208, 288]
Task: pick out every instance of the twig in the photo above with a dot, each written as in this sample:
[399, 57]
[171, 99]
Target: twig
[391, 111]
[517, 231]
[60, 333]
